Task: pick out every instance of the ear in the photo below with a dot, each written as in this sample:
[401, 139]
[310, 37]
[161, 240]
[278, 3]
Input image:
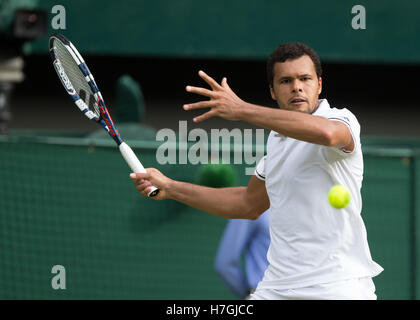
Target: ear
[273, 96]
[320, 85]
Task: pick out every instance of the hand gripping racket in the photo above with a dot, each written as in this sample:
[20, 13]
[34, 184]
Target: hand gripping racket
[80, 85]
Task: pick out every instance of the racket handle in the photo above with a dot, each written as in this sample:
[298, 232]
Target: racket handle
[135, 165]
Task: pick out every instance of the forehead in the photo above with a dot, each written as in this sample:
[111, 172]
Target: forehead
[290, 68]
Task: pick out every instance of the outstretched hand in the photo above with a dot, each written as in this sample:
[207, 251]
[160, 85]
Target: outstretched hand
[223, 101]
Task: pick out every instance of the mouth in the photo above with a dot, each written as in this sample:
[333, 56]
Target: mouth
[297, 100]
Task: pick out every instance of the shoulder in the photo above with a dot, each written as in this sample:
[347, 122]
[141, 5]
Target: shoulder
[343, 115]
[259, 171]
[327, 111]
[338, 114]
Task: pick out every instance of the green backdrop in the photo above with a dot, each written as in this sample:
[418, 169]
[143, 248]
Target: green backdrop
[240, 29]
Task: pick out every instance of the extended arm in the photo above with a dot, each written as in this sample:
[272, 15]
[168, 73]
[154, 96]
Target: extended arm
[233, 203]
[298, 125]
[226, 104]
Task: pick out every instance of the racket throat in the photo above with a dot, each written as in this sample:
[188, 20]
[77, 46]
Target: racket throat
[117, 139]
[107, 121]
[112, 134]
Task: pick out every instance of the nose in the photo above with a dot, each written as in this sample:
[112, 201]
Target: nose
[296, 86]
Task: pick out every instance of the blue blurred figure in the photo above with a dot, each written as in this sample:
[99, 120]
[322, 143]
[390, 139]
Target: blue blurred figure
[243, 238]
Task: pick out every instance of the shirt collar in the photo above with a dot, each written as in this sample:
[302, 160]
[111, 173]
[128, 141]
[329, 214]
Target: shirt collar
[323, 106]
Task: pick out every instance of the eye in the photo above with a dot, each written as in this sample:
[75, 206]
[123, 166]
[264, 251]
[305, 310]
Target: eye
[284, 81]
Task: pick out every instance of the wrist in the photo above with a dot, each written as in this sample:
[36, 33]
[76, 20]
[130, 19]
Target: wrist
[170, 188]
[246, 112]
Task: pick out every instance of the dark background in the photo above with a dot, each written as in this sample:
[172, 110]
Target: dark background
[383, 97]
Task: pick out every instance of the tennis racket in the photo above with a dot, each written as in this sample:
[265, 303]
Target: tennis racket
[81, 87]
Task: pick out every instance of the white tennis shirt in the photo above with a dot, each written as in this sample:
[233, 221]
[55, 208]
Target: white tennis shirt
[312, 242]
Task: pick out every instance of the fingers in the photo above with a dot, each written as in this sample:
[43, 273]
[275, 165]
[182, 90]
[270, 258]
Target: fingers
[144, 183]
[141, 184]
[138, 176]
[144, 187]
[216, 97]
[199, 105]
[201, 91]
[204, 116]
[210, 81]
[213, 95]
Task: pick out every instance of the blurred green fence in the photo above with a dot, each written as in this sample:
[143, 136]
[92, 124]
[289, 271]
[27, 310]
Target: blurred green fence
[391, 212]
[65, 201]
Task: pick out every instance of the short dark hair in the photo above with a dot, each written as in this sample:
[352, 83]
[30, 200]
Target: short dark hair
[291, 51]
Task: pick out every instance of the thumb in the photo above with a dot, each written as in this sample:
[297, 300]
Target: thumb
[139, 175]
[225, 84]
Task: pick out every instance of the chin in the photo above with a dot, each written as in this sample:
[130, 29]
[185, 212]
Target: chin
[303, 108]
[307, 108]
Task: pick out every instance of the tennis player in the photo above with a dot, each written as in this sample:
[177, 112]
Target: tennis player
[316, 251]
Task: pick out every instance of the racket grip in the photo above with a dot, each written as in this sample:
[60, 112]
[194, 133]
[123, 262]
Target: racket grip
[135, 164]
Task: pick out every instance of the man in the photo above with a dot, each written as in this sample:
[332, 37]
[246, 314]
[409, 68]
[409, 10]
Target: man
[316, 251]
[243, 238]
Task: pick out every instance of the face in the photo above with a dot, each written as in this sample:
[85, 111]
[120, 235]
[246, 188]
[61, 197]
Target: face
[296, 86]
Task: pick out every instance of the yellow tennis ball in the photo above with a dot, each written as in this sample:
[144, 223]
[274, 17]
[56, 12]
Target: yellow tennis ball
[339, 196]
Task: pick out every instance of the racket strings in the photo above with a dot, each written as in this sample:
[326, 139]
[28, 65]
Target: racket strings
[76, 77]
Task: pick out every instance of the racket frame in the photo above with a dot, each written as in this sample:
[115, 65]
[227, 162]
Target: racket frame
[104, 118]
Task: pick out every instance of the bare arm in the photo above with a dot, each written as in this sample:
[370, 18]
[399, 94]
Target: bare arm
[233, 203]
[226, 104]
[298, 125]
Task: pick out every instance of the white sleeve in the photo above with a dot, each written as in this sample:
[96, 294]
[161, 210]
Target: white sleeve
[260, 169]
[346, 117]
